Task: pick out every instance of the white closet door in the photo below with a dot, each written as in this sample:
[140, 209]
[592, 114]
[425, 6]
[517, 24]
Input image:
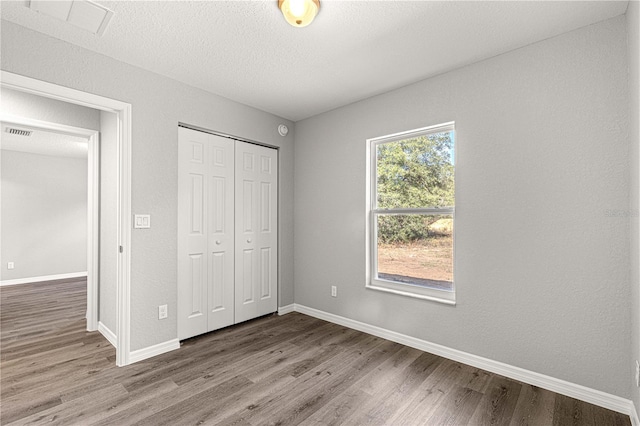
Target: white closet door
[256, 231]
[221, 232]
[192, 233]
[205, 232]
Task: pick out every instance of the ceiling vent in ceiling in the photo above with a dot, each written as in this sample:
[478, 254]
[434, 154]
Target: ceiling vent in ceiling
[18, 132]
[84, 14]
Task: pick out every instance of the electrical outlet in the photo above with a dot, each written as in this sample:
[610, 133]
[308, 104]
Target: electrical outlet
[334, 291]
[10, 265]
[162, 311]
[637, 373]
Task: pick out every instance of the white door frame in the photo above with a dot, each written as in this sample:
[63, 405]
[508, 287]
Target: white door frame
[123, 112]
[93, 201]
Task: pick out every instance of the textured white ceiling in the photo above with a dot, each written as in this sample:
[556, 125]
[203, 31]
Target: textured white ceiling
[43, 142]
[245, 51]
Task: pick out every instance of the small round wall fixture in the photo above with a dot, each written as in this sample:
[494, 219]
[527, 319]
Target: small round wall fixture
[299, 13]
[283, 130]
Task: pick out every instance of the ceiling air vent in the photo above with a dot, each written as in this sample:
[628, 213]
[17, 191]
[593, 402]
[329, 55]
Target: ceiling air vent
[18, 132]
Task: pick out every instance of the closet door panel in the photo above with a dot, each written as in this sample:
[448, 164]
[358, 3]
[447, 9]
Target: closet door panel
[221, 232]
[192, 234]
[256, 231]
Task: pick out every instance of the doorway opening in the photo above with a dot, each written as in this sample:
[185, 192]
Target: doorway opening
[54, 169]
[122, 112]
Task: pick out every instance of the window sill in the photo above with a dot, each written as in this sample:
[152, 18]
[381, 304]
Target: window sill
[434, 295]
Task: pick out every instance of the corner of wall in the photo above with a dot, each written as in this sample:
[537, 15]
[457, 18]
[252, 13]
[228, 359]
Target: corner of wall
[633, 46]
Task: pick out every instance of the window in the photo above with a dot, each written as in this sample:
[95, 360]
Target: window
[411, 213]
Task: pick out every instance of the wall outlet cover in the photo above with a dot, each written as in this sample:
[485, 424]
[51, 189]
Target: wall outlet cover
[162, 312]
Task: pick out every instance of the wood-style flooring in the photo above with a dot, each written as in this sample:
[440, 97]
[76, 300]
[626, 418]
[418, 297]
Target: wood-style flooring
[279, 370]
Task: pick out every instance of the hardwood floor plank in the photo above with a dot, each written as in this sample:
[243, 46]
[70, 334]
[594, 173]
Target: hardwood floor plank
[400, 387]
[246, 398]
[18, 409]
[535, 406]
[566, 412]
[312, 389]
[280, 380]
[457, 409]
[338, 410]
[197, 406]
[73, 412]
[499, 402]
[388, 371]
[66, 368]
[315, 397]
[217, 359]
[440, 384]
[139, 396]
[287, 370]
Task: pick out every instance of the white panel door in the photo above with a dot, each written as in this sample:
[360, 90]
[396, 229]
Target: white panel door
[221, 232]
[205, 232]
[256, 231]
[192, 233]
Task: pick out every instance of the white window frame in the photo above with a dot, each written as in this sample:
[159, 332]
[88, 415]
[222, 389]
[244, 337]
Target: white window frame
[373, 282]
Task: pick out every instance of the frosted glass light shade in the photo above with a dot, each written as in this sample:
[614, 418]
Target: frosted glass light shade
[299, 13]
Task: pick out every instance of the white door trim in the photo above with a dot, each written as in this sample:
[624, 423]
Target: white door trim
[123, 112]
[93, 182]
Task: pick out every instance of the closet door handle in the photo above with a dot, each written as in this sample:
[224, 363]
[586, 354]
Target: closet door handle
[218, 242]
[248, 240]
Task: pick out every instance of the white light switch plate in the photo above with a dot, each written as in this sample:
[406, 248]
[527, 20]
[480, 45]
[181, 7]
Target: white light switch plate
[142, 221]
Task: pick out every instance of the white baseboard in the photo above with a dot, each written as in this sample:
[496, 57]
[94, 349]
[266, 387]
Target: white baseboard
[592, 396]
[43, 278]
[635, 420]
[107, 333]
[151, 351]
[282, 310]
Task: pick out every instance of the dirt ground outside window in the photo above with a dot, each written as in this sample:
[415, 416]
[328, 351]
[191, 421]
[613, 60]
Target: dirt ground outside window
[426, 262]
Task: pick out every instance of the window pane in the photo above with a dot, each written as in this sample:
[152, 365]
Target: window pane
[416, 172]
[416, 249]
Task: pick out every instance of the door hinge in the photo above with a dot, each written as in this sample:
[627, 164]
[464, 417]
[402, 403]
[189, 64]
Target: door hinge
[121, 249]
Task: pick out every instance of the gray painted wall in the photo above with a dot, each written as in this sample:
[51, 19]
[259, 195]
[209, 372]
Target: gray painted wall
[158, 104]
[541, 270]
[633, 32]
[44, 215]
[27, 105]
[108, 221]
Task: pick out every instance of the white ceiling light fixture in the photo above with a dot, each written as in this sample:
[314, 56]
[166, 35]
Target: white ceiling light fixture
[299, 13]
